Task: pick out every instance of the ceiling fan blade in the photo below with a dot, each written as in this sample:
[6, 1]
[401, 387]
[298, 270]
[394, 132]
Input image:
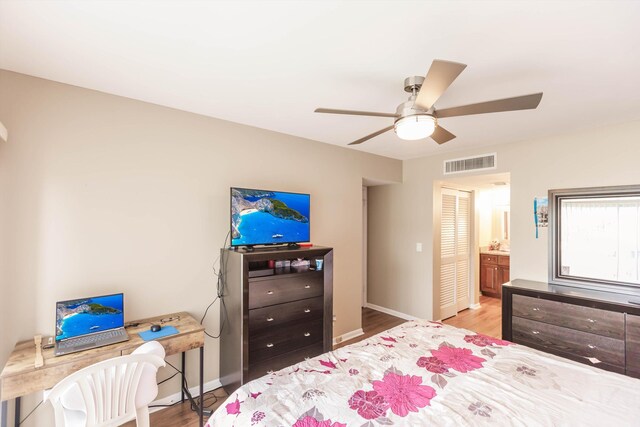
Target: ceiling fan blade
[525, 102]
[438, 79]
[441, 135]
[354, 113]
[368, 137]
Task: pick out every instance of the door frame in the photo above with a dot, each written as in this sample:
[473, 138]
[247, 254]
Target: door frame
[365, 254]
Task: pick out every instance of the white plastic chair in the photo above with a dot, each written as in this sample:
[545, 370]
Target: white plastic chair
[111, 392]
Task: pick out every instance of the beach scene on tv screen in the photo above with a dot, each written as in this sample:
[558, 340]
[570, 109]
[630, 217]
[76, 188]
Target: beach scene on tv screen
[89, 315]
[268, 217]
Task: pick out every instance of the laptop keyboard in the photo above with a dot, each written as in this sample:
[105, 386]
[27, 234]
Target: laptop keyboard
[91, 339]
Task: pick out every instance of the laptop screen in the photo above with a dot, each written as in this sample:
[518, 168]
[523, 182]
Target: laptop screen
[89, 315]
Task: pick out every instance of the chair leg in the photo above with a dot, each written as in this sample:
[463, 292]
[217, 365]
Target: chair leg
[59, 415]
[142, 417]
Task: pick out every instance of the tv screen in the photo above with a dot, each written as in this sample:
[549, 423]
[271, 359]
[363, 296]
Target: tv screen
[263, 217]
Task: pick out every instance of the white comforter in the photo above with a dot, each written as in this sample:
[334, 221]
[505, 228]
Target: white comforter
[425, 373]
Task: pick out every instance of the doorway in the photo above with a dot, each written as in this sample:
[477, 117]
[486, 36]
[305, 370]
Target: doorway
[471, 229]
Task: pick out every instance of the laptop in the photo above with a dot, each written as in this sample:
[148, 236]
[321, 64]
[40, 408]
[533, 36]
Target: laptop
[86, 323]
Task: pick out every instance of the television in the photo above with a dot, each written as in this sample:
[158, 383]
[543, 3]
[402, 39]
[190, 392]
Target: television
[265, 217]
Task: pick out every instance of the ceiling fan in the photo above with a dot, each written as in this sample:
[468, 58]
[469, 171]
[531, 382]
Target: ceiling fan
[417, 118]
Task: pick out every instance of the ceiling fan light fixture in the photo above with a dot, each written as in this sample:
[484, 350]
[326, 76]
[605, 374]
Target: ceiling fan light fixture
[419, 126]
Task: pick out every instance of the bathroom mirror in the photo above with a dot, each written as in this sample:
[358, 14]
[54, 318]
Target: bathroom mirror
[501, 230]
[505, 225]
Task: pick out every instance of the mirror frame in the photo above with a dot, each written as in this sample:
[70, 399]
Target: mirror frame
[555, 276]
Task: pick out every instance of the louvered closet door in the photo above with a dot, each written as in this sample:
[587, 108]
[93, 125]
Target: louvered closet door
[455, 251]
[463, 218]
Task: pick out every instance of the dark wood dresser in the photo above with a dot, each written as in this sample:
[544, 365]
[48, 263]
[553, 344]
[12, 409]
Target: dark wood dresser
[274, 317]
[494, 271]
[600, 329]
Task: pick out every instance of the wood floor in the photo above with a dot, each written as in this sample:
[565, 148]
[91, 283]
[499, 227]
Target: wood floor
[373, 322]
[485, 320]
[181, 413]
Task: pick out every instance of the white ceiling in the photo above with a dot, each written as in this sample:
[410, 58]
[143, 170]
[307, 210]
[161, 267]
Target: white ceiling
[271, 63]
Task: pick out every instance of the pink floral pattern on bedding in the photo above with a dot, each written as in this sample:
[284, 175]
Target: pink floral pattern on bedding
[483, 340]
[460, 359]
[427, 373]
[233, 408]
[369, 404]
[433, 364]
[312, 422]
[404, 393]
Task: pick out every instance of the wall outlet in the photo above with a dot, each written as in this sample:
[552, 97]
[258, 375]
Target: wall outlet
[47, 342]
[418, 247]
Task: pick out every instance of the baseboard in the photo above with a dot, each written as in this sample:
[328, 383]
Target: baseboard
[391, 312]
[475, 306]
[195, 391]
[348, 336]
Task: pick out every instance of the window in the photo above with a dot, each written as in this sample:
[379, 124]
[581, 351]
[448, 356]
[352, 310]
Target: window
[596, 237]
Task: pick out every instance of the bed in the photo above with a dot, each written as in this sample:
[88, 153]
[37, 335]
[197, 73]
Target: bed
[427, 373]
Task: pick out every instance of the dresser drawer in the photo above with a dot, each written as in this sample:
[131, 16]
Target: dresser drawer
[275, 316]
[633, 346]
[503, 260]
[488, 259]
[276, 341]
[263, 367]
[565, 342]
[587, 319]
[278, 289]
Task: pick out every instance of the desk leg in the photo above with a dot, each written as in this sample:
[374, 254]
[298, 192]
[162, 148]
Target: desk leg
[5, 407]
[17, 411]
[202, 386]
[183, 376]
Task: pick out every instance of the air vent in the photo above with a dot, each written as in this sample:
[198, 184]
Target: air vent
[469, 164]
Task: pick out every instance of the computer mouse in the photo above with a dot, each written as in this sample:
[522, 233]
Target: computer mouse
[155, 328]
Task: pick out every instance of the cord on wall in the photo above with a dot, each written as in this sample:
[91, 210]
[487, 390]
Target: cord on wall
[219, 290]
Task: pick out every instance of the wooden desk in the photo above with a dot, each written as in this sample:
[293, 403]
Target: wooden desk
[19, 376]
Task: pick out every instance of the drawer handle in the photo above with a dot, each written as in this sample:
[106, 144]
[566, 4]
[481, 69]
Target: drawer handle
[269, 319]
[269, 345]
[535, 309]
[591, 346]
[307, 287]
[591, 321]
[307, 334]
[306, 310]
[535, 332]
[269, 292]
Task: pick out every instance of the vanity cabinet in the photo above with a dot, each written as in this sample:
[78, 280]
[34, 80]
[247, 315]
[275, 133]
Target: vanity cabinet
[494, 271]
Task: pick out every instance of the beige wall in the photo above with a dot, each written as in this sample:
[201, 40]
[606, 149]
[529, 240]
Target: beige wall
[109, 194]
[401, 215]
[4, 285]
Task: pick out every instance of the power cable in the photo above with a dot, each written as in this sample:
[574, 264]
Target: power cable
[32, 411]
[219, 290]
